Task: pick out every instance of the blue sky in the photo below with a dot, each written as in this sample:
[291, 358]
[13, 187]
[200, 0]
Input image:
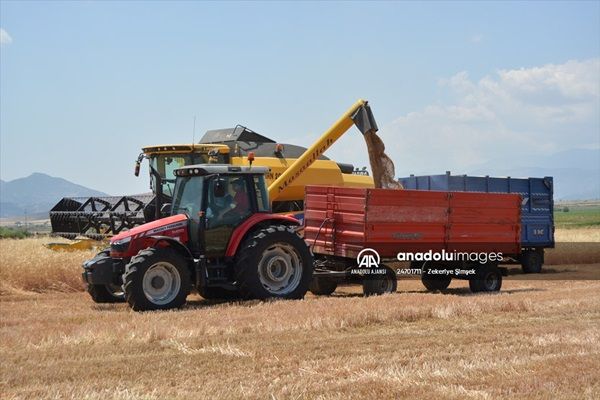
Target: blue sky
[84, 85]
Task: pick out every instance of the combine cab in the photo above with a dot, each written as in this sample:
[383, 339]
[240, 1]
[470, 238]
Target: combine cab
[102, 217]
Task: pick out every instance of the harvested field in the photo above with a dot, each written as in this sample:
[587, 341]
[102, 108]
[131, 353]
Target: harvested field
[538, 338]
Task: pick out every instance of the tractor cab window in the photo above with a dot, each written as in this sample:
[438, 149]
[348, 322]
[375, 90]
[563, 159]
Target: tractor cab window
[227, 204]
[188, 197]
[261, 193]
[228, 201]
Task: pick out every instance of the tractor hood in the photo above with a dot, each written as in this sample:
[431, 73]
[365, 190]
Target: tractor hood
[158, 227]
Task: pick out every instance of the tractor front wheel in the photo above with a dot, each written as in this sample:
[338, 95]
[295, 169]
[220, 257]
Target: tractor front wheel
[106, 293]
[156, 279]
[274, 262]
[110, 293]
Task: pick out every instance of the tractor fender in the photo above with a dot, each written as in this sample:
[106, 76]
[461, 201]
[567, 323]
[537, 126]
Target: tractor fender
[250, 224]
[155, 241]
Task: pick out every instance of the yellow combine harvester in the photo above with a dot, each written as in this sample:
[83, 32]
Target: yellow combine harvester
[101, 217]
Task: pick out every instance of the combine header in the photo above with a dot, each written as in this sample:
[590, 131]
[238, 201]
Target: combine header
[99, 217]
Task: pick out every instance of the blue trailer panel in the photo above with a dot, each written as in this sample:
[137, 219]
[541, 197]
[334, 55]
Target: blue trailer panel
[537, 217]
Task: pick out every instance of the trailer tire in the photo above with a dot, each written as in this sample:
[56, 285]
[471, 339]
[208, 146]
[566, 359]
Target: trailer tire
[156, 279]
[433, 282]
[274, 262]
[322, 286]
[387, 283]
[486, 280]
[532, 261]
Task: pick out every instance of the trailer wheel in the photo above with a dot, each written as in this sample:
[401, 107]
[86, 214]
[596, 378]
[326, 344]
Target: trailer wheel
[486, 280]
[211, 293]
[156, 279]
[434, 282]
[322, 286]
[531, 262]
[106, 293]
[377, 285]
[274, 262]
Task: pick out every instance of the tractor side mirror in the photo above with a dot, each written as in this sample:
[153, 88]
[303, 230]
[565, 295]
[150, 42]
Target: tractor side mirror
[165, 209]
[220, 188]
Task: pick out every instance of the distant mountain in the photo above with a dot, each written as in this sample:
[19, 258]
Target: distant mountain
[576, 172]
[37, 194]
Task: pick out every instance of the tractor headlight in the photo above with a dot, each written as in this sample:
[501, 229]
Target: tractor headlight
[121, 245]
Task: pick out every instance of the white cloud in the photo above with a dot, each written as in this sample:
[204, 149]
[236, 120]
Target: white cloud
[5, 38]
[511, 115]
[478, 38]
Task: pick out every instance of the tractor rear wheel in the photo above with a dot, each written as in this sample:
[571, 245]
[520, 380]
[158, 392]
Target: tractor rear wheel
[322, 286]
[377, 285]
[156, 279]
[274, 262]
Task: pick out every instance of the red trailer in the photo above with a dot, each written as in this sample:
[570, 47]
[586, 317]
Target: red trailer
[399, 225]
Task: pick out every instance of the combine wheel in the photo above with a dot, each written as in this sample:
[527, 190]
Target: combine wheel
[156, 279]
[274, 262]
[377, 285]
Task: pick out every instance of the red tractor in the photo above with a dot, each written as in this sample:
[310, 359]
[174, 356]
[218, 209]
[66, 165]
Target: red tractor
[221, 239]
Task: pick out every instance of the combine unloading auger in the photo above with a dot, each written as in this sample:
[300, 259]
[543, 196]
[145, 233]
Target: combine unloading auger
[100, 217]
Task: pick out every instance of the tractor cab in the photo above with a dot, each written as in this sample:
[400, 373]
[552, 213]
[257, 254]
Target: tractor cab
[217, 199]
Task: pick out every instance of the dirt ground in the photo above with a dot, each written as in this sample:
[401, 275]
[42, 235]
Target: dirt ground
[536, 339]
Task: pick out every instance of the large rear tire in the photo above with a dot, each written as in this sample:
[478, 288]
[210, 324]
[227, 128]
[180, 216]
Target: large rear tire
[156, 279]
[274, 262]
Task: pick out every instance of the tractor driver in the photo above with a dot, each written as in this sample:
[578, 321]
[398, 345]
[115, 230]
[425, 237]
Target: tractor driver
[241, 204]
[229, 210]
